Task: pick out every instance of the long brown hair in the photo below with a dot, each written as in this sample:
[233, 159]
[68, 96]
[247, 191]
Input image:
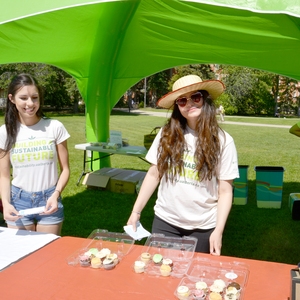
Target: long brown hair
[172, 143]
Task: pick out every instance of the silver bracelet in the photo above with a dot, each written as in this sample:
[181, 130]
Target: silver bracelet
[136, 212]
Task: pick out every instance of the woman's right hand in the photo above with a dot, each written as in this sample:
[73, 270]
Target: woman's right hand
[10, 213]
[133, 219]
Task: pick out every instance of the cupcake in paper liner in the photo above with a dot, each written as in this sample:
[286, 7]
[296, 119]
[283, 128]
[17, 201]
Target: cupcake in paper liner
[231, 293]
[218, 286]
[84, 260]
[215, 296]
[165, 270]
[96, 263]
[183, 292]
[235, 285]
[199, 294]
[202, 285]
[139, 266]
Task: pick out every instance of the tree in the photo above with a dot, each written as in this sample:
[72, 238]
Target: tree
[202, 70]
[286, 89]
[74, 94]
[54, 81]
[158, 86]
[248, 90]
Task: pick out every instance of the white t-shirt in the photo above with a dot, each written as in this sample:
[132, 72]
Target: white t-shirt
[34, 156]
[188, 203]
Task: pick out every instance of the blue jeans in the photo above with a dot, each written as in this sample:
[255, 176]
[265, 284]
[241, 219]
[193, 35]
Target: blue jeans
[21, 199]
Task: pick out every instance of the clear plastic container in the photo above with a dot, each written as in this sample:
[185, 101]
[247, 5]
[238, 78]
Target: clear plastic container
[206, 270]
[179, 250]
[118, 243]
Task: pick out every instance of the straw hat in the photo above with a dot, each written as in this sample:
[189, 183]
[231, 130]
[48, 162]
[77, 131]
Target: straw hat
[188, 84]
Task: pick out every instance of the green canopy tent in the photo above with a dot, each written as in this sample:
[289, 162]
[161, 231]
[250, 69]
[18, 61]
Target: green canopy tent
[108, 46]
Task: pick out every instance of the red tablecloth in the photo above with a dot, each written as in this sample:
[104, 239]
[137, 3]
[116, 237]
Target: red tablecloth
[45, 274]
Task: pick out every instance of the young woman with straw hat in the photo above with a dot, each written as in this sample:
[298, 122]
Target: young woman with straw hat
[194, 162]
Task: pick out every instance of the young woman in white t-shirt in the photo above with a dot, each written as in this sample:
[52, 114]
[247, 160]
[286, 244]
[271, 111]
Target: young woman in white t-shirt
[194, 162]
[32, 146]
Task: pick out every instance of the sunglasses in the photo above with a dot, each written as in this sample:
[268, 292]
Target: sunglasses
[196, 98]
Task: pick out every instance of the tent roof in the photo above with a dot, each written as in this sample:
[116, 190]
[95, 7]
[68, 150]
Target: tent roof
[110, 45]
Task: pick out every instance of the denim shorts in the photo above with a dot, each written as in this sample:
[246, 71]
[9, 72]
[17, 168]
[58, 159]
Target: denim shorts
[21, 199]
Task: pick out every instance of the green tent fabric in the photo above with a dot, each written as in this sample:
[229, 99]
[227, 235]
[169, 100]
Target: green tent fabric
[108, 46]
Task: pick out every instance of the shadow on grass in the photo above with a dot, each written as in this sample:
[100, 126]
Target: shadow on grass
[101, 209]
[251, 232]
[263, 233]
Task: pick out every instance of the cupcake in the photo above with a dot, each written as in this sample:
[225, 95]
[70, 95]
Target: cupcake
[145, 257]
[101, 255]
[231, 290]
[199, 294]
[231, 293]
[96, 262]
[114, 257]
[218, 286]
[183, 292]
[220, 283]
[157, 259]
[84, 260]
[105, 251]
[235, 285]
[201, 285]
[215, 296]
[165, 270]
[92, 252]
[230, 297]
[168, 261]
[108, 264]
[139, 266]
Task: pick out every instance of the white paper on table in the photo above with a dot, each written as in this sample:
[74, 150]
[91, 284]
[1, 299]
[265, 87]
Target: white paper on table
[140, 232]
[15, 244]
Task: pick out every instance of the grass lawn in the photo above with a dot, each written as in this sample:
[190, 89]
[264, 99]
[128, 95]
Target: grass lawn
[251, 232]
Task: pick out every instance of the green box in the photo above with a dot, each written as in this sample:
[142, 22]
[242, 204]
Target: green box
[294, 205]
[269, 183]
[240, 194]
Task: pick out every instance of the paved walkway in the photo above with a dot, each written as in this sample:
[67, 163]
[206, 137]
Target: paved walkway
[168, 114]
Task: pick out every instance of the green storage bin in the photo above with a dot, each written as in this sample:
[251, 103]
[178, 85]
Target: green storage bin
[269, 183]
[240, 195]
[294, 205]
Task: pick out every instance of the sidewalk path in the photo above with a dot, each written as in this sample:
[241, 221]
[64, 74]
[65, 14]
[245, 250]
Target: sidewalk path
[256, 124]
[168, 114]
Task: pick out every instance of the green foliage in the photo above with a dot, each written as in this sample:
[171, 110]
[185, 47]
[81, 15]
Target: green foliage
[203, 70]
[158, 85]
[249, 90]
[53, 81]
[226, 101]
[262, 100]
[60, 89]
[286, 90]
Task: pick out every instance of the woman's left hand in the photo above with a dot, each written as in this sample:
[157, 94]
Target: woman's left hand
[52, 205]
[223, 209]
[215, 243]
